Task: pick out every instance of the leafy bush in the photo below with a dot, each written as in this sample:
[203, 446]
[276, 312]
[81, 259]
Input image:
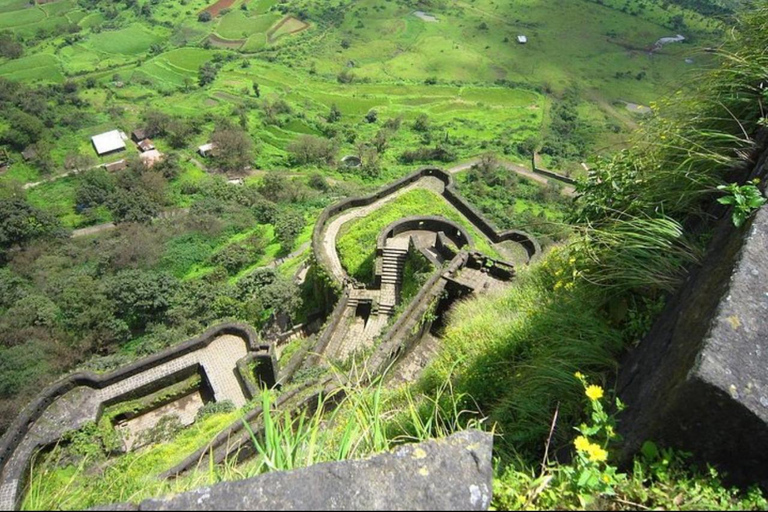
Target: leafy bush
[211, 408]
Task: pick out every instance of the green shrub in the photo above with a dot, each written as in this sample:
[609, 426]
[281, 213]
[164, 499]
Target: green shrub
[224, 406]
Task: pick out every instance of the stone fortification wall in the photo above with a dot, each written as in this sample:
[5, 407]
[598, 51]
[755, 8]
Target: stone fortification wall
[18, 445]
[496, 236]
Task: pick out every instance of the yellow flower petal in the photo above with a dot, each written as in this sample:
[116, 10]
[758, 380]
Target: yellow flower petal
[595, 392]
[582, 444]
[597, 454]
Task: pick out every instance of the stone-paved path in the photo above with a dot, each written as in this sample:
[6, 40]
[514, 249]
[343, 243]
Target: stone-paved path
[331, 232]
[74, 409]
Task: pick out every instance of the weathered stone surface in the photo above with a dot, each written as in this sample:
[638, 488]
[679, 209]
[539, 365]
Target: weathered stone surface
[699, 380]
[450, 474]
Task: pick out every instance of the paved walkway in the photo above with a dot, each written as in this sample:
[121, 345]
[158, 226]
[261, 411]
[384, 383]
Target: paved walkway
[331, 231]
[83, 404]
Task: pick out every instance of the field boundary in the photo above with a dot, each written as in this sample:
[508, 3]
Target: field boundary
[280, 24]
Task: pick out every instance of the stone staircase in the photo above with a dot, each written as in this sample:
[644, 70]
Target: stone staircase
[392, 264]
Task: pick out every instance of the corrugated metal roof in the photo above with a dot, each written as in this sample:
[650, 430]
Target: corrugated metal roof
[108, 142]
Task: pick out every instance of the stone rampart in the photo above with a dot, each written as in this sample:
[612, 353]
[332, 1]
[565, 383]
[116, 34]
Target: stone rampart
[14, 462]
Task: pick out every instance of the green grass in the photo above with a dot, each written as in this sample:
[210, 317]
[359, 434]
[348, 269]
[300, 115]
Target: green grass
[356, 243]
[58, 197]
[131, 477]
[21, 17]
[131, 40]
[286, 27]
[515, 354]
[238, 25]
[356, 429]
[32, 68]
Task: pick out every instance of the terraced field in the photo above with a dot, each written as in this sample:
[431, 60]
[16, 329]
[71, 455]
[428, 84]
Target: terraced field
[286, 27]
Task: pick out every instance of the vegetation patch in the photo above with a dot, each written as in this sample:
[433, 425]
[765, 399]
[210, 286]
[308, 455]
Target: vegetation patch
[356, 242]
[287, 26]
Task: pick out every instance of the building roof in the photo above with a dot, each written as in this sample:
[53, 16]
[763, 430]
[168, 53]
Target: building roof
[205, 147]
[116, 166]
[145, 145]
[522, 39]
[139, 134]
[108, 142]
[29, 153]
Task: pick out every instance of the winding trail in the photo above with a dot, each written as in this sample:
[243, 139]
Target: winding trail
[519, 169]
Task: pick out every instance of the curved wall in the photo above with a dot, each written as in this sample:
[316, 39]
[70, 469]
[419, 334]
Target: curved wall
[529, 243]
[13, 470]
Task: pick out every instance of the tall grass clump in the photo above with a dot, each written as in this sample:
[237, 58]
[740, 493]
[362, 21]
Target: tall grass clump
[515, 353]
[353, 422]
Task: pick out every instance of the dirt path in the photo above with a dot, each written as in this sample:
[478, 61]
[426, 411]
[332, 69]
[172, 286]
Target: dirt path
[519, 169]
[58, 177]
[279, 261]
[92, 230]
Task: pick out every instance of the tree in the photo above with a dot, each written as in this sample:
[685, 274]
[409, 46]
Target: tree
[156, 123]
[78, 161]
[421, 124]
[20, 222]
[487, 163]
[23, 129]
[334, 114]
[232, 149]
[381, 140]
[140, 195]
[179, 132]
[94, 188]
[345, 77]
[256, 90]
[168, 166]
[9, 47]
[310, 149]
[317, 182]
[134, 205]
[372, 116]
[528, 146]
[207, 74]
[140, 297]
[204, 17]
[288, 225]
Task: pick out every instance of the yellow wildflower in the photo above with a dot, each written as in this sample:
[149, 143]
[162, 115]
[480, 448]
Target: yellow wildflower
[597, 454]
[606, 479]
[595, 392]
[578, 375]
[582, 444]
[558, 285]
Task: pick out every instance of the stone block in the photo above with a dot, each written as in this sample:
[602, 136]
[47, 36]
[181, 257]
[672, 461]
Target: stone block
[698, 381]
[454, 473]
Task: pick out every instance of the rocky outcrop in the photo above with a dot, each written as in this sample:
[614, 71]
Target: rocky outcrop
[454, 473]
[698, 381]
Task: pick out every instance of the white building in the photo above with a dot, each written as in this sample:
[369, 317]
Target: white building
[108, 142]
[205, 149]
[522, 39]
